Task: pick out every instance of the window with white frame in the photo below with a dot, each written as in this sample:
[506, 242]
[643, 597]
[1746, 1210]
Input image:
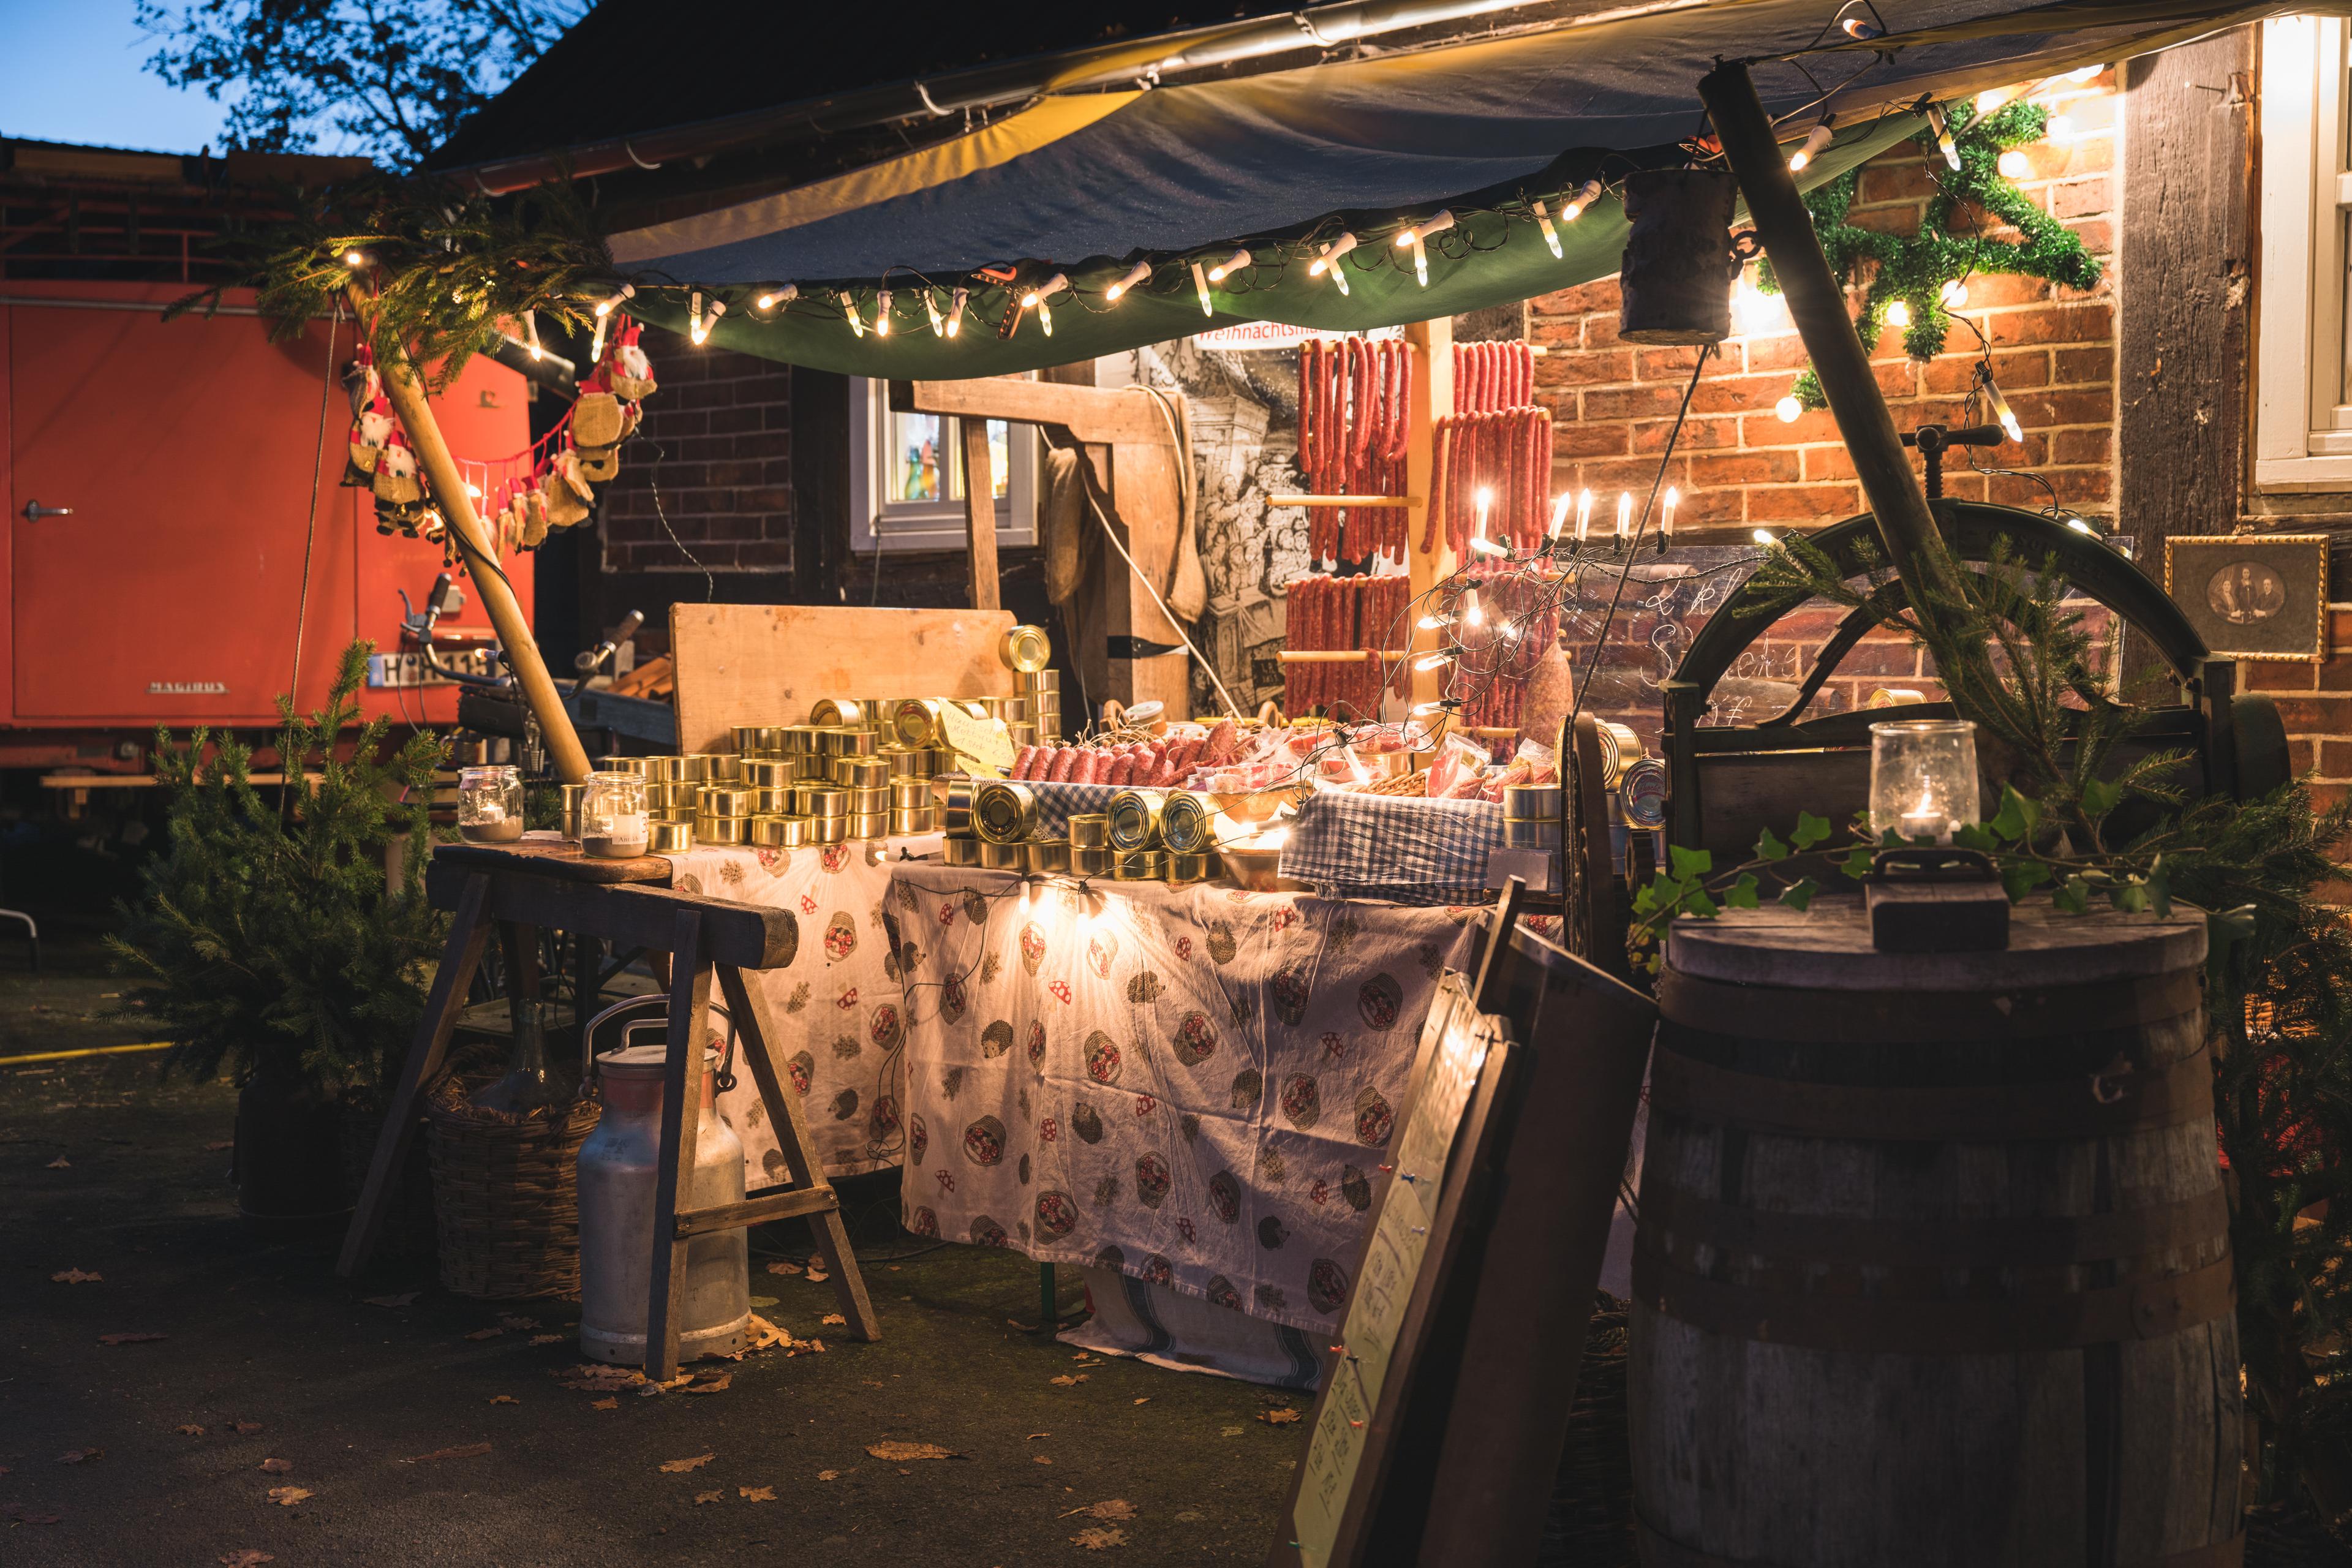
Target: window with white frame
[907, 482]
[2303, 393]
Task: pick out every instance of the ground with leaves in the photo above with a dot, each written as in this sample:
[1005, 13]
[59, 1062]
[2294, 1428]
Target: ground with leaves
[254, 1408]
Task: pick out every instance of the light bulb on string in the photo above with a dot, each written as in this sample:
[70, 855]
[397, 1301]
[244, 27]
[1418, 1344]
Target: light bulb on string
[1550, 234]
[530, 335]
[1942, 126]
[1329, 262]
[1234, 263]
[355, 260]
[932, 308]
[1036, 301]
[604, 309]
[1762, 536]
[1430, 661]
[1667, 519]
[1855, 20]
[1898, 314]
[1201, 287]
[1583, 515]
[1816, 142]
[849, 309]
[882, 314]
[695, 330]
[1139, 273]
[1624, 518]
[2061, 128]
[1789, 410]
[784, 294]
[1478, 541]
[1438, 222]
[2079, 526]
[1994, 98]
[2013, 165]
[955, 310]
[1435, 623]
[1560, 515]
[1586, 194]
[2003, 414]
[1953, 294]
[1473, 613]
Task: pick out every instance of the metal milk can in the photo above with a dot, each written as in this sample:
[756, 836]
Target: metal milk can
[616, 1168]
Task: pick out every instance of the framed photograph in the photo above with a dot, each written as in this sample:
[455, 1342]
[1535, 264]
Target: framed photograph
[2259, 595]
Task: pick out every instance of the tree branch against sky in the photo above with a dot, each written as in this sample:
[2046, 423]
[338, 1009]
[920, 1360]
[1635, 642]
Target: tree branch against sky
[391, 79]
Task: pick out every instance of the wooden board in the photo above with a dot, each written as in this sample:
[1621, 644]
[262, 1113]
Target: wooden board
[766, 664]
[560, 858]
[1090, 414]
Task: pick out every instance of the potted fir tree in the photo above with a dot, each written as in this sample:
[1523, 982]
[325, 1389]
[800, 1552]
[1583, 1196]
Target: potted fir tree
[271, 942]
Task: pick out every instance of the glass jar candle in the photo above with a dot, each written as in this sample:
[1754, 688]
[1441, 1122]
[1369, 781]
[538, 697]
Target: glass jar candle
[1923, 778]
[612, 816]
[490, 804]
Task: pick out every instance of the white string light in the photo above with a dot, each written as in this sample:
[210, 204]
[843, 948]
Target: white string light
[783, 295]
[1438, 222]
[1036, 301]
[1817, 141]
[604, 309]
[1430, 661]
[1898, 314]
[1479, 540]
[1624, 518]
[1200, 284]
[1937, 123]
[932, 308]
[1762, 536]
[1435, 623]
[1473, 615]
[1583, 515]
[1552, 235]
[2013, 165]
[2002, 413]
[1139, 273]
[1329, 262]
[1234, 263]
[1789, 410]
[1586, 194]
[1667, 517]
[849, 309]
[530, 335]
[1954, 293]
[355, 260]
[882, 314]
[955, 311]
[700, 322]
[1560, 515]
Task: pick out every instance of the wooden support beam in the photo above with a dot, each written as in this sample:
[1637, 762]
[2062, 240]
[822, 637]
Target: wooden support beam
[749, 936]
[979, 518]
[1431, 399]
[1092, 413]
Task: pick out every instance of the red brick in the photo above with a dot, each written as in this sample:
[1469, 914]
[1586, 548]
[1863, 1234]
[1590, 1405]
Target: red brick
[1777, 351]
[1828, 463]
[1803, 503]
[2097, 235]
[1573, 438]
[1585, 367]
[2266, 675]
[1559, 332]
[1600, 331]
[1883, 182]
[2073, 366]
[2335, 675]
[1768, 429]
[1663, 363]
[2087, 405]
[2090, 444]
[2335, 759]
[1600, 294]
[2081, 198]
[1697, 435]
[2086, 323]
[2324, 715]
[1903, 220]
[1635, 402]
[1737, 394]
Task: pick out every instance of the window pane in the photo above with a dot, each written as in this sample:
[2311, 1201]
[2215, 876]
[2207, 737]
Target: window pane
[999, 458]
[916, 471]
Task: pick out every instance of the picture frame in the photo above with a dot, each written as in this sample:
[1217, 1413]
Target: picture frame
[2253, 596]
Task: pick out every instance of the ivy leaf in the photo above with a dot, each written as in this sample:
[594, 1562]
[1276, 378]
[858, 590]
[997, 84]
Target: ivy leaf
[2019, 877]
[1645, 900]
[1975, 835]
[1799, 894]
[1890, 839]
[1700, 905]
[1856, 863]
[2131, 898]
[1742, 895]
[1691, 864]
[2159, 886]
[1810, 830]
[1769, 848]
[2100, 797]
[2074, 898]
[2018, 816]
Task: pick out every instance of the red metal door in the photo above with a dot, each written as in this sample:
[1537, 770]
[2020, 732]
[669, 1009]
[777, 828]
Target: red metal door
[185, 451]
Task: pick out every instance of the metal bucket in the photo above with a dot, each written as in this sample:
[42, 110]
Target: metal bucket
[617, 1169]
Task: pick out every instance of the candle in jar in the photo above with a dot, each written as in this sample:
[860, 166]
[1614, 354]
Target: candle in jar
[1927, 820]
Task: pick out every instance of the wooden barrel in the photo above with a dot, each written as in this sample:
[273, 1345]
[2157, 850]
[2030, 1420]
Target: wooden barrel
[1933, 1263]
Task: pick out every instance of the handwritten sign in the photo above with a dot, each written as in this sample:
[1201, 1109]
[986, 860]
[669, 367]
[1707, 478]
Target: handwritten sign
[984, 746]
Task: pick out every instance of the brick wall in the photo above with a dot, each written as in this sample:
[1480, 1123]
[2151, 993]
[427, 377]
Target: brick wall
[715, 458]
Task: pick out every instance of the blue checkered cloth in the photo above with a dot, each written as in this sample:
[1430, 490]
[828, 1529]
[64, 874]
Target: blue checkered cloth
[1406, 849]
[1057, 803]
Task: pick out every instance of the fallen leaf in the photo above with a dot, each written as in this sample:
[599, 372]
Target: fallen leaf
[1040, 1458]
[701, 1498]
[650, 1388]
[277, 1467]
[129, 1338]
[831, 1318]
[817, 1262]
[287, 1497]
[828, 1475]
[604, 1404]
[546, 1339]
[1145, 1399]
[780, 1267]
[716, 1385]
[60, 1163]
[192, 1430]
[1035, 1436]
[244, 1428]
[679, 1467]
[756, 1494]
[75, 1276]
[215, 1149]
[463, 1451]
[248, 1558]
[485, 1333]
[518, 1324]
[504, 1399]
[80, 1456]
[15, 1512]
[1095, 1538]
[1068, 1380]
[896, 1451]
[1282, 1418]
[1231, 1431]
[817, 1275]
[403, 1300]
[1115, 1509]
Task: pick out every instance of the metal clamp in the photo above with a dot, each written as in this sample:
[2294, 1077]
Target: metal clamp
[35, 511]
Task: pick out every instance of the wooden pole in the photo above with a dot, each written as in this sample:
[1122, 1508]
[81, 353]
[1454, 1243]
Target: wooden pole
[1431, 399]
[979, 514]
[522, 650]
[1840, 359]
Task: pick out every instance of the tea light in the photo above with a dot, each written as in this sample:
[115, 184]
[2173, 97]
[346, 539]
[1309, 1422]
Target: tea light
[1923, 777]
[490, 804]
[613, 822]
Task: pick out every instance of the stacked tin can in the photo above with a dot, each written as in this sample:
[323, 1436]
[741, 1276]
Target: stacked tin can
[1037, 689]
[1531, 816]
[1148, 835]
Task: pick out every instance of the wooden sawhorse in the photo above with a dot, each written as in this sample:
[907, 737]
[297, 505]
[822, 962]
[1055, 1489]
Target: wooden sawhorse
[552, 885]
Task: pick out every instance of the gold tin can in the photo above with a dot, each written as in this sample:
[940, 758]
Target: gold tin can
[1138, 865]
[1085, 862]
[835, 712]
[1045, 856]
[942, 761]
[803, 738]
[1001, 857]
[1531, 803]
[820, 800]
[670, 796]
[662, 837]
[1032, 681]
[1003, 812]
[828, 829]
[906, 762]
[876, 798]
[1090, 830]
[811, 767]
[955, 807]
[1188, 822]
[1135, 819]
[758, 740]
[768, 773]
[1190, 868]
[767, 829]
[861, 773]
[914, 819]
[1025, 649]
[906, 794]
[851, 743]
[568, 798]
[914, 721]
[1012, 710]
[720, 829]
[634, 766]
[699, 766]
[781, 801]
[671, 814]
[664, 769]
[1022, 734]
[960, 852]
[869, 824]
[725, 800]
[726, 767]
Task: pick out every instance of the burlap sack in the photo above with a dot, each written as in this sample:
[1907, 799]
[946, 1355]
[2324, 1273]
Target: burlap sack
[534, 518]
[395, 488]
[566, 466]
[596, 420]
[601, 465]
[564, 507]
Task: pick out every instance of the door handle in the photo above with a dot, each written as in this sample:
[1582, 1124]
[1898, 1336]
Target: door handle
[35, 511]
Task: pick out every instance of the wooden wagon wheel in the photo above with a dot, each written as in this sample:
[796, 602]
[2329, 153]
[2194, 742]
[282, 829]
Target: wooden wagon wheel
[1592, 904]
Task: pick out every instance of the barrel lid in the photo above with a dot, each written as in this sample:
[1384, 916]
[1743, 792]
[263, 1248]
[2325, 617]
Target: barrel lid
[1827, 948]
[631, 1060]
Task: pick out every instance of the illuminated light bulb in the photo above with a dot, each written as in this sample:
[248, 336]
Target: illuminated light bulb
[1478, 540]
[1789, 410]
[2003, 414]
[1552, 235]
[1331, 254]
[1036, 301]
[1757, 312]
[1423, 710]
[1861, 27]
[1560, 515]
[695, 329]
[1583, 515]
[882, 314]
[1234, 263]
[1992, 98]
[1762, 536]
[1439, 222]
[1435, 623]
[355, 258]
[1817, 141]
[932, 308]
[1625, 517]
[1139, 273]
[775, 297]
[2013, 165]
[473, 490]
[1667, 519]
[1943, 129]
[1586, 194]
[2061, 128]
[1472, 614]
[1420, 262]
[1200, 286]
[1954, 294]
[2081, 75]
[2079, 526]
[955, 311]
[530, 335]
[1430, 661]
[1898, 314]
[849, 309]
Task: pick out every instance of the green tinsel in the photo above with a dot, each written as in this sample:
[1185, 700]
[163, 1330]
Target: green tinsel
[1947, 247]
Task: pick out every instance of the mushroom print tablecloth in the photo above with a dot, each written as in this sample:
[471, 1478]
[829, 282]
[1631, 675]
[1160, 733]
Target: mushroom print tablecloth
[1194, 1086]
[839, 1022]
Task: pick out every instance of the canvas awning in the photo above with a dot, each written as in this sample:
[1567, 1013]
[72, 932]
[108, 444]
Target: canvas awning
[1087, 184]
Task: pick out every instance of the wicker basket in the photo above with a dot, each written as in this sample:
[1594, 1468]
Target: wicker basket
[506, 1194]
